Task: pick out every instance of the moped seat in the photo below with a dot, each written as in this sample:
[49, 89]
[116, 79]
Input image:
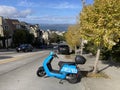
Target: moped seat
[61, 63]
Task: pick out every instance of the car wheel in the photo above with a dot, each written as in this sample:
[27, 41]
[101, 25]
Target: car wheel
[17, 50]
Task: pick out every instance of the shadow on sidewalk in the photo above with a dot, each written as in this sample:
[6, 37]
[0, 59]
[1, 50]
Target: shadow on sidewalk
[104, 68]
[84, 73]
[106, 63]
[5, 57]
[112, 63]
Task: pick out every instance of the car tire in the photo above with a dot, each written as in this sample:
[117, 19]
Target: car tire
[18, 51]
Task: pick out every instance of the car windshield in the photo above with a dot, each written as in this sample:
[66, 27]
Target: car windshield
[63, 46]
[24, 45]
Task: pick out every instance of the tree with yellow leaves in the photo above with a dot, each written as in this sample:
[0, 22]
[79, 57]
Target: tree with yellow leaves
[100, 23]
[72, 36]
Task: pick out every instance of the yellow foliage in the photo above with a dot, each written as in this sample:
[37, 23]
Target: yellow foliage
[72, 36]
[100, 22]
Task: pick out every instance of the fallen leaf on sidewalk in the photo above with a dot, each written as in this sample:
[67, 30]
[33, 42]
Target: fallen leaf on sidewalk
[98, 75]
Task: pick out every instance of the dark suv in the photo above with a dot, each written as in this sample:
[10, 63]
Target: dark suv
[63, 49]
[24, 48]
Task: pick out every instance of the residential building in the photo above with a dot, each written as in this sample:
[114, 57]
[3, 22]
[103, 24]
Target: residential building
[45, 36]
[60, 33]
[1, 26]
[1, 31]
[12, 25]
[34, 30]
[24, 26]
[8, 27]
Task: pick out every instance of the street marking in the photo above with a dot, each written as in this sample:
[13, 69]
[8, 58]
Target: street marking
[18, 58]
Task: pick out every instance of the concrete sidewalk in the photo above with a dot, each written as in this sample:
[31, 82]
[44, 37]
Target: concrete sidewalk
[110, 69]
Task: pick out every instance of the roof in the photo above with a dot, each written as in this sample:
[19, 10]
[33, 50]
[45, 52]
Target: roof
[12, 22]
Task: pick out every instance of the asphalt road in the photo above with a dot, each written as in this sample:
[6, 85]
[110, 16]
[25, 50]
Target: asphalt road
[20, 74]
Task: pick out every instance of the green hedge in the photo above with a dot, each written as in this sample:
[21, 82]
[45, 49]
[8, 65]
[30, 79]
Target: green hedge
[106, 54]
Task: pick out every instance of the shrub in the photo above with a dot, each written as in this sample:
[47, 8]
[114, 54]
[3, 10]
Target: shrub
[90, 47]
[116, 52]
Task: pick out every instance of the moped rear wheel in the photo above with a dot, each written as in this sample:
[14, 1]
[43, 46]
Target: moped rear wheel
[74, 78]
[41, 72]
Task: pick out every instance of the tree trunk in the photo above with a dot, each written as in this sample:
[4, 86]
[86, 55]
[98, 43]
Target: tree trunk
[96, 61]
[81, 47]
[3, 42]
[75, 50]
[7, 44]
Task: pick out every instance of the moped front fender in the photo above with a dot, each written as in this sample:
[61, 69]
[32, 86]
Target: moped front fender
[50, 73]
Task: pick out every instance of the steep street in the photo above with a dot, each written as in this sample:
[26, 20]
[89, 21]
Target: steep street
[20, 74]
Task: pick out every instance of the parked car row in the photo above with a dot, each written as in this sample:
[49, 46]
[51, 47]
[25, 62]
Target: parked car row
[24, 48]
[61, 49]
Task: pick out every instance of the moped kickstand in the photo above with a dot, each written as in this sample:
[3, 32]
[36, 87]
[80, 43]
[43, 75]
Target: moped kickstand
[61, 81]
[46, 76]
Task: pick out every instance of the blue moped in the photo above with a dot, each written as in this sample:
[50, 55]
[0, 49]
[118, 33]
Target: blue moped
[68, 70]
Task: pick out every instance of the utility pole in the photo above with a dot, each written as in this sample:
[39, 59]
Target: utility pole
[81, 40]
[83, 3]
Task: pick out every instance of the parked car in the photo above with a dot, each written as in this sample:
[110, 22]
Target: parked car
[63, 49]
[55, 48]
[24, 48]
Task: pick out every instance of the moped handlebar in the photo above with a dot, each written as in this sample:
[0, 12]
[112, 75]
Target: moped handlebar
[55, 55]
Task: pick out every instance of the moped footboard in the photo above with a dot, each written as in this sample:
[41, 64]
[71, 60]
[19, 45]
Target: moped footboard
[69, 69]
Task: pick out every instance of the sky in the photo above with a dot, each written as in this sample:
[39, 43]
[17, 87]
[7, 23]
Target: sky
[42, 11]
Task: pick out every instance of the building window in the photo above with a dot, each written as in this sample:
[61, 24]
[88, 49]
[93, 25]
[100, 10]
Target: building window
[17, 26]
[6, 27]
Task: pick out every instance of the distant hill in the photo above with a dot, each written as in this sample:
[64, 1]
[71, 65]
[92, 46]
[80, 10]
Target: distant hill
[58, 27]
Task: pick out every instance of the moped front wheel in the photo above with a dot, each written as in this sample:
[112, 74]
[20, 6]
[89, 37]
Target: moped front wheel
[41, 72]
